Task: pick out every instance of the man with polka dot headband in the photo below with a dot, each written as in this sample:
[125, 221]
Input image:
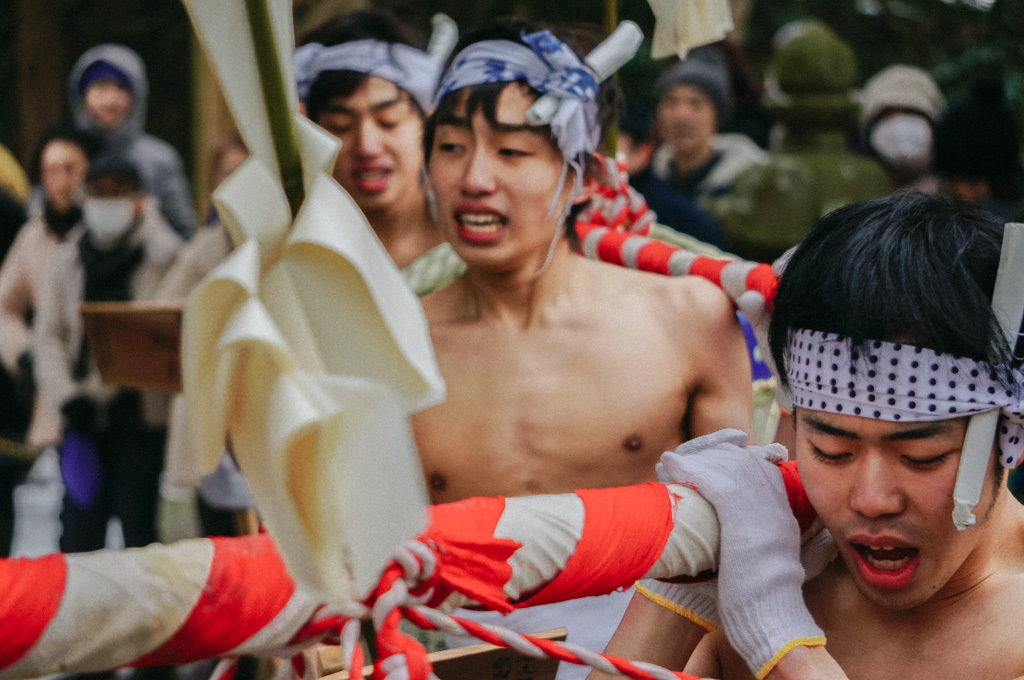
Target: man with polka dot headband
[885, 333]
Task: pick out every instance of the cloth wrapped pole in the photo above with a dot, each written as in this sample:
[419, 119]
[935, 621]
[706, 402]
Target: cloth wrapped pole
[206, 598]
[177, 603]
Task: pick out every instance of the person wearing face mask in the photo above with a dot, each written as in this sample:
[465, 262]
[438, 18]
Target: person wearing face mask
[111, 450]
[811, 170]
[108, 92]
[899, 108]
[28, 425]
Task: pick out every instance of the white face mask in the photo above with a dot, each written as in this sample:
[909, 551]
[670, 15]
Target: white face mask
[108, 219]
[903, 140]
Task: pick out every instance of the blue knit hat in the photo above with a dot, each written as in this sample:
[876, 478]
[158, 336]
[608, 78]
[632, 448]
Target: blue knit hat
[104, 70]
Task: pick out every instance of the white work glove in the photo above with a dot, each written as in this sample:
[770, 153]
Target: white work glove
[759, 597]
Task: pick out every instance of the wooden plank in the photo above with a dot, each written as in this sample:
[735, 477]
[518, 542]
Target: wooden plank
[476, 662]
[136, 345]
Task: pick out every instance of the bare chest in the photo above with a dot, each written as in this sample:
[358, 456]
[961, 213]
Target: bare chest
[551, 412]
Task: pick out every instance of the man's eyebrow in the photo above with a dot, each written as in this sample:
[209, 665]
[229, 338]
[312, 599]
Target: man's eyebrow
[463, 122]
[920, 431]
[825, 428]
[344, 110]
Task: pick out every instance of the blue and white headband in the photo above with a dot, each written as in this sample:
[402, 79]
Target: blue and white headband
[407, 67]
[904, 383]
[547, 65]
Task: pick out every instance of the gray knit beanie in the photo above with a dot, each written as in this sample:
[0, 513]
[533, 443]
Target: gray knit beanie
[706, 69]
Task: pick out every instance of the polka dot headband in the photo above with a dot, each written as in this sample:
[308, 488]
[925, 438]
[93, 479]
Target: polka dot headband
[896, 382]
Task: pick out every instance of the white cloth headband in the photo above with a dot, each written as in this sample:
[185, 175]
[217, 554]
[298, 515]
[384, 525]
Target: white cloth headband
[549, 67]
[407, 67]
[896, 382]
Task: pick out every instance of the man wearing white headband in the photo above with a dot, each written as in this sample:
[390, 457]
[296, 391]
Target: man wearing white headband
[561, 372]
[362, 77]
[885, 333]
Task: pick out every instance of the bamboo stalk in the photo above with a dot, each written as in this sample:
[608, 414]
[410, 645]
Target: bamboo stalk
[611, 21]
[275, 98]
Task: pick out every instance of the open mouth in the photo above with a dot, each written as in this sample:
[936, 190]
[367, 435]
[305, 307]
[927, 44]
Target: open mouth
[483, 227]
[373, 180]
[888, 559]
[887, 567]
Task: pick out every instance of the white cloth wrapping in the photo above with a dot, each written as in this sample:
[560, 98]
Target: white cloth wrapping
[903, 383]
[407, 67]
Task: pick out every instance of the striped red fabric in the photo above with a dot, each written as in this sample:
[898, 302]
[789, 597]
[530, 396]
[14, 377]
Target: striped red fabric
[475, 561]
[798, 501]
[30, 593]
[609, 248]
[624, 532]
[709, 268]
[654, 257]
[764, 280]
[248, 586]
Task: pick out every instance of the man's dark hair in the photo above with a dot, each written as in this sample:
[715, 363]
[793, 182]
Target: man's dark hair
[580, 38]
[88, 143]
[909, 268]
[368, 24]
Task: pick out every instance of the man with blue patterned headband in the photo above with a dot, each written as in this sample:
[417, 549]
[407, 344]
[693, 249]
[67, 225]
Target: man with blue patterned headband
[363, 78]
[561, 372]
[885, 329]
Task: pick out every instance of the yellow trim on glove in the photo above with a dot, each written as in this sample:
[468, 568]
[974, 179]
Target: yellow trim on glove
[672, 606]
[771, 663]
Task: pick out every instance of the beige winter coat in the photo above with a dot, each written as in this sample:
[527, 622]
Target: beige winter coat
[59, 329]
[21, 280]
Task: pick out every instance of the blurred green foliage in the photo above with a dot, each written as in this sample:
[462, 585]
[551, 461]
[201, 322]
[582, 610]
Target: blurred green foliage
[956, 40]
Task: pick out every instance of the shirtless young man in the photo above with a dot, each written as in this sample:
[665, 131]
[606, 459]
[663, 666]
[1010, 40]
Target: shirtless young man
[562, 373]
[363, 78]
[911, 596]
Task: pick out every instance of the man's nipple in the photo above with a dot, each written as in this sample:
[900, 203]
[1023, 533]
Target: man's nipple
[633, 443]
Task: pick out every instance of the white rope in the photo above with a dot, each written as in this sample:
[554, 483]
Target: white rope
[522, 645]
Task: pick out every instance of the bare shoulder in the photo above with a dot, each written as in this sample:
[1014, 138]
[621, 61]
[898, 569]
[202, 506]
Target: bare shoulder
[685, 299]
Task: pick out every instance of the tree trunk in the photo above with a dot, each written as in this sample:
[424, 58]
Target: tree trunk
[41, 71]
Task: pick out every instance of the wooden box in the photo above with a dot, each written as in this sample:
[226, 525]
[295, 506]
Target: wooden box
[136, 345]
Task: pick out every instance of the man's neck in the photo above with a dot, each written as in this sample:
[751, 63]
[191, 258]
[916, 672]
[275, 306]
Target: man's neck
[688, 160]
[406, 232]
[520, 296]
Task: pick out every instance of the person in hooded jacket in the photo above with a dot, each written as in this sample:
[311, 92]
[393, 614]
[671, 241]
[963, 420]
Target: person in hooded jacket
[112, 447]
[108, 90]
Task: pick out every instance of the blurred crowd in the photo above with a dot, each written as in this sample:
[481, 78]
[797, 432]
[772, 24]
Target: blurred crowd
[106, 213]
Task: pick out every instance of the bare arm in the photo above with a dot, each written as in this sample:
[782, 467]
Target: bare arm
[724, 395]
[652, 633]
[807, 663]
